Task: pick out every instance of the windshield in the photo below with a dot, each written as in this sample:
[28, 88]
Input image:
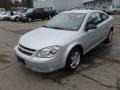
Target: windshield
[22, 11]
[66, 21]
[30, 10]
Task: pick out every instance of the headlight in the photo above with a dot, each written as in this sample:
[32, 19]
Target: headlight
[49, 52]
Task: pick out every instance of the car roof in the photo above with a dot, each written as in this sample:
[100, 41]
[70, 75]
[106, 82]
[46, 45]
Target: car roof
[82, 11]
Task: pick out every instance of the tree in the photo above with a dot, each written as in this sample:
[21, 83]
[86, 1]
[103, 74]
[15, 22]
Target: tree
[27, 3]
[17, 3]
[6, 4]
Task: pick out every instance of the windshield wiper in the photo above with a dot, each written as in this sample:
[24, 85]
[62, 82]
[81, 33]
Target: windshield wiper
[45, 26]
[54, 27]
[57, 28]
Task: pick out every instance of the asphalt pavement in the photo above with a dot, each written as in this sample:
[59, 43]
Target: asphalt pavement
[99, 69]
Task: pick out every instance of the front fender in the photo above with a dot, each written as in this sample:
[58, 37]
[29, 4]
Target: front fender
[67, 50]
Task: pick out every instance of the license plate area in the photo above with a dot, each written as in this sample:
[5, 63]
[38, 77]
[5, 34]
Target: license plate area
[21, 60]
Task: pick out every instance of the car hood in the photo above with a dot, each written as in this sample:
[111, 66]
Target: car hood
[44, 37]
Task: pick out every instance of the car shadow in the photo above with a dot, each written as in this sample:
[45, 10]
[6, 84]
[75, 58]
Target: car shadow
[90, 61]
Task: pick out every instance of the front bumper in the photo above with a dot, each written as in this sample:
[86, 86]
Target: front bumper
[12, 18]
[1, 19]
[44, 65]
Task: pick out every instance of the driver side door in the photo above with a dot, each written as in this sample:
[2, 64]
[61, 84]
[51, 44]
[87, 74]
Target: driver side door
[36, 13]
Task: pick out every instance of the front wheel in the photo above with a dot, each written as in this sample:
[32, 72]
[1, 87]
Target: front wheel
[50, 16]
[73, 60]
[17, 19]
[4, 19]
[109, 37]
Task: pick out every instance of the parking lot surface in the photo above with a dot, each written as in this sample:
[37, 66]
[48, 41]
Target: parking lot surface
[99, 69]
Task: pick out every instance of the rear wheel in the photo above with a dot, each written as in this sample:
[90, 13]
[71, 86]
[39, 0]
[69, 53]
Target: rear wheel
[73, 60]
[29, 19]
[43, 18]
[114, 12]
[109, 37]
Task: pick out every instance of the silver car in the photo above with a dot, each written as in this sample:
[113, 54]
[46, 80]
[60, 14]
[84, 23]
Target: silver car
[63, 40]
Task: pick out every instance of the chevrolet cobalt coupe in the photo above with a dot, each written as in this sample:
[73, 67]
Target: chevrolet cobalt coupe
[63, 40]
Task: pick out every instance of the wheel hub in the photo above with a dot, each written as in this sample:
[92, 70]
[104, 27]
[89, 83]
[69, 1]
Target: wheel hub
[75, 59]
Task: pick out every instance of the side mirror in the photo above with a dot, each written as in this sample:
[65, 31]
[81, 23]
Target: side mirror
[90, 26]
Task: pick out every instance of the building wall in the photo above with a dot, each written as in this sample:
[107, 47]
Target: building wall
[66, 4]
[98, 4]
[116, 3]
[57, 4]
[5, 4]
[43, 3]
[84, 1]
[101, 4]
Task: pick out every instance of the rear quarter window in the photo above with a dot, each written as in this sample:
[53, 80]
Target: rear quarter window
[104, 16]
[95, 18]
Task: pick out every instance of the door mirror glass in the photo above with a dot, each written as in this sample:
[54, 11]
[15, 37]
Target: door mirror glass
[90, 26]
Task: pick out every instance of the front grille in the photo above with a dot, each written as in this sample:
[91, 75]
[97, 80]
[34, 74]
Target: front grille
[25, 50]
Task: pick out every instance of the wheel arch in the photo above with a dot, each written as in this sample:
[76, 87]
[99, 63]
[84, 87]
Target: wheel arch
[112, 28]
[16, 17]
[69, 49]
[30, 16]
[78, 46]
[67, 57]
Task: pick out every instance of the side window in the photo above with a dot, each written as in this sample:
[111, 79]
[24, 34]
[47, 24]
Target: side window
[94, 18]
[38, 10]
[104, 16]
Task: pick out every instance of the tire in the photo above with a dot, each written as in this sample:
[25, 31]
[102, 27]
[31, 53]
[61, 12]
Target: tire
[4, 19]
[43, 18]
[17, 19]
[109, 37]
[49, 17]
[114, 13]
[73, 59]
[29, 19]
